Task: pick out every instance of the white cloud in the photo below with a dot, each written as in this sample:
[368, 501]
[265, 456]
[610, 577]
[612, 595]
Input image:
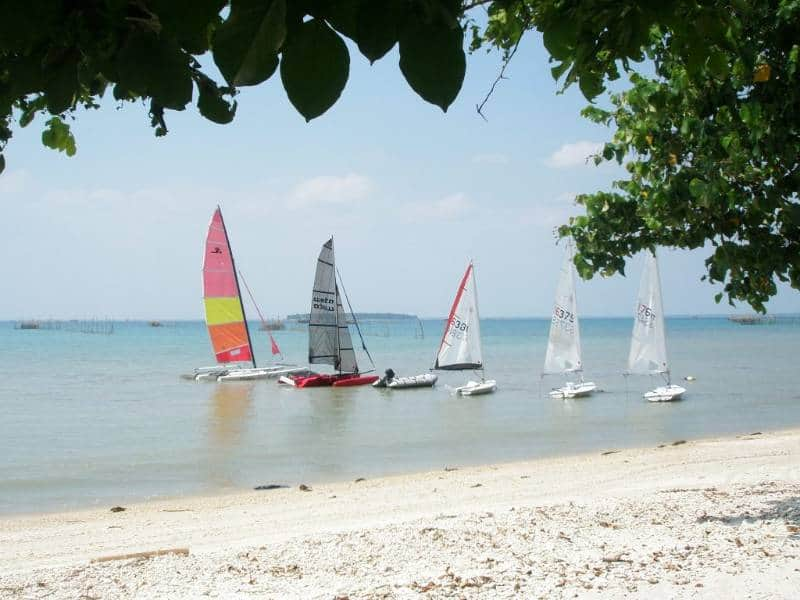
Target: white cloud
[329, 190]
[490, 159]
[448, 208]
[573, 155]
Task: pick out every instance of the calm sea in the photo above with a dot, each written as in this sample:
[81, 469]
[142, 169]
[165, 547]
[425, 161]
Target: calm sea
[93, 419]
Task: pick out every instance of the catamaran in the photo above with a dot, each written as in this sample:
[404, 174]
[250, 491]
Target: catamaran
[225, 315]
[460, 348]
[329, 340]
[648, 354]
[564, 344]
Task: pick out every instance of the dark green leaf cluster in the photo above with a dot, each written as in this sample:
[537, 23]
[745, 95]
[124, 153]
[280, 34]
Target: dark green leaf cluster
[59, 55]
[712, 147]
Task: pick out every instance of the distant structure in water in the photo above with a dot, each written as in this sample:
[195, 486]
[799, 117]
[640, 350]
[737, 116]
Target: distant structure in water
[752, 319]
[100, 326]
[272, 325]
[764, 319]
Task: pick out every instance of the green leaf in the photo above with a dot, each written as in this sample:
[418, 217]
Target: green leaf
[559, 69]
[188, 20]
[246, 45]
[155, 66]
[432, 60]
[696, 188]
[212, 105]
[591, 85]
[2, 163]
[314, 68]
[61, 87]
[58, 136]
[377, 27]
[560, 39]
[718, 65]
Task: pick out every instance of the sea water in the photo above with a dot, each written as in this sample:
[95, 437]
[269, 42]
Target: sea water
[95, 420]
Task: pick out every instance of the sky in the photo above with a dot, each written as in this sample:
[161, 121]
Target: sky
[409, 193]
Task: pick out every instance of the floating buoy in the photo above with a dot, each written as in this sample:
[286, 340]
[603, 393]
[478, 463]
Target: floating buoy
[690, 378]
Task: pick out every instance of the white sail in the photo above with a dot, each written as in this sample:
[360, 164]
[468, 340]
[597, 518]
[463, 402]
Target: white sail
[328, 336]
[461, 343]
[648, 353]
[564, 343]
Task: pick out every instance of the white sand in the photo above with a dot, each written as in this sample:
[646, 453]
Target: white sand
[709, 519]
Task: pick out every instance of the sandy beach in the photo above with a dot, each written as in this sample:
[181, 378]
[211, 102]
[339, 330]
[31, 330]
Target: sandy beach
[709, 519]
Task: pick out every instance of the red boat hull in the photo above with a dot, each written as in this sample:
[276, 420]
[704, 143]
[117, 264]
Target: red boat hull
[333, 380]
[355, 380]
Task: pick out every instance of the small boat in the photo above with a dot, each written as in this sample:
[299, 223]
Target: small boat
[225, 314]
[392, 382]
[648, 353]
[460, 348]
[329, 340]
[564, 344]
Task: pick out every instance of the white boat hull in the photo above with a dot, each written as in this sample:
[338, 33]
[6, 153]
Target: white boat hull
[574, 390]
[257, 373]
[665, 393]
[475, 388]
[414, 381]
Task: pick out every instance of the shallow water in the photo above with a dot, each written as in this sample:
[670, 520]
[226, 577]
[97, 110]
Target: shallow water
[91, 419]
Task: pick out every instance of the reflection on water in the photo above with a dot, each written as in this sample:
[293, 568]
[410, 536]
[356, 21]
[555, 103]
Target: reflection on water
[231, 407]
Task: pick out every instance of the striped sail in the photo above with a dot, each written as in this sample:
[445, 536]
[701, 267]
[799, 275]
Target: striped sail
[461, 342]
[329, 339]
[227, 327]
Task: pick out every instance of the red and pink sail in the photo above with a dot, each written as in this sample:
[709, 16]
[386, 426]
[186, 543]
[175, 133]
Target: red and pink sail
[225, 318]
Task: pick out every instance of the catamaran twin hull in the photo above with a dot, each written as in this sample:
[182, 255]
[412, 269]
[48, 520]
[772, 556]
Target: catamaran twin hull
[321, 380]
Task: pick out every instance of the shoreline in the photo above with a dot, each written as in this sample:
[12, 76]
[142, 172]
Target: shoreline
[712, 488]
[235, 491]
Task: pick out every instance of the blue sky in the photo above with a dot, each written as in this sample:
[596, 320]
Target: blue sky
[409, 193]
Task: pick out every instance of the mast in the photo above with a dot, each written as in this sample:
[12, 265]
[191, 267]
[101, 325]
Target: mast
[238, 290]
[661, 316]
[336, 311]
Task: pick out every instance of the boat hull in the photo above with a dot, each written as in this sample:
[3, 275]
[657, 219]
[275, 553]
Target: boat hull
[574, 390]
[415, 381]
[355, 380]
[320, 380]
[476, 388]
[665, 393]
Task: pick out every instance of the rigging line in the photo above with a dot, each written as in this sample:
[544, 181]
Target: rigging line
[355, 321]
[258, 310]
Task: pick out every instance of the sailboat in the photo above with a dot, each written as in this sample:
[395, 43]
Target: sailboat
[648, 354]
[564, 344]
[460, 348]
[329, 340]
[225, 315]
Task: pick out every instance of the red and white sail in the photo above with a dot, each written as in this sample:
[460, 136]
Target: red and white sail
[461, 342]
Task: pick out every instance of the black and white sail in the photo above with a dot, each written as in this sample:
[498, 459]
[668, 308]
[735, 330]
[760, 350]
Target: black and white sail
[329, 339]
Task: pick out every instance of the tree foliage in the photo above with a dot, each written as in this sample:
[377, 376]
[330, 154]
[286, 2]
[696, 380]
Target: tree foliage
[59, 55]
[709, 130]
